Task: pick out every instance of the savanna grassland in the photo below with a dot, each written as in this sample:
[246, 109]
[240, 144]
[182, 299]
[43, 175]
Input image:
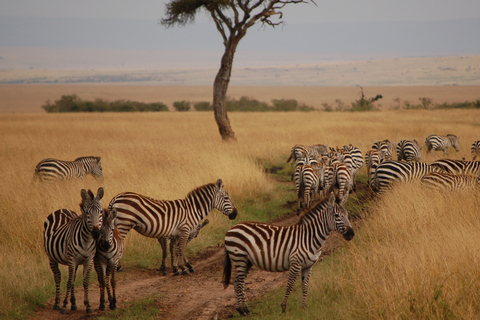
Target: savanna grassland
[416, 255]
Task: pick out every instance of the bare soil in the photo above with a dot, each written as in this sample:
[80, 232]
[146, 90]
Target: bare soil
[199, 295]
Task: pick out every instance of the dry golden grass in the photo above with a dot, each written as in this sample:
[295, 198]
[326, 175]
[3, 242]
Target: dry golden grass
[165, 155]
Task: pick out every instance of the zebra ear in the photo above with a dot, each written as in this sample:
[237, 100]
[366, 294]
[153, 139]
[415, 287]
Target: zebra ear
[99, 194]
[113, 214]
[219, 183]
[98, 159]
[84, 194]
[332, 199]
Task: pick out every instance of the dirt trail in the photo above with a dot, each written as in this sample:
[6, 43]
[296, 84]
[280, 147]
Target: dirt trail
[199, 295]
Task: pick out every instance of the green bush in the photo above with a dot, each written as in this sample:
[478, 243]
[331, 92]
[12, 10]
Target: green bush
[203, 106]
[182, 105]
[245, 104]
[72, 103]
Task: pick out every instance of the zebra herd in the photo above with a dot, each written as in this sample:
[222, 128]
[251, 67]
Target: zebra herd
[324, 177]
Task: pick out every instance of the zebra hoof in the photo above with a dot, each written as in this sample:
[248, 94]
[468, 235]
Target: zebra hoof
[119, 268]
[113, 306]
[74, 307]
[164, 273]
[56, 307]
[177, 273]
[191, 269]
[102, 307]
[89, 310]
[244, 311]
[63, 311]
[185, 272]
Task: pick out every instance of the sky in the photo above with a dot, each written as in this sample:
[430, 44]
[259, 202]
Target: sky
[406, 27]
[324, 11]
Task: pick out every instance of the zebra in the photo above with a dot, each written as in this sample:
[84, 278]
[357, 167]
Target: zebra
[409, 150]
[452, 182]
[373, 158]
[458, 166]
[339, 177]
[166, 218]
[69, 239]
[475, 149]
[308, 184]
[439, 143]
[53, 169]
[174, 244]
[386, 147]
[295, 248]
[358, 162]
[110, 248]
[303, 154]
[392, 171]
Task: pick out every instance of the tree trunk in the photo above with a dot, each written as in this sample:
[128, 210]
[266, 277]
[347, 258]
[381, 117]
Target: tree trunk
[220, 87]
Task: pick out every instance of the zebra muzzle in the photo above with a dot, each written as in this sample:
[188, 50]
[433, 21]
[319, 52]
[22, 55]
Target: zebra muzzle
[233, 215]
[96, 233]
[348, 235]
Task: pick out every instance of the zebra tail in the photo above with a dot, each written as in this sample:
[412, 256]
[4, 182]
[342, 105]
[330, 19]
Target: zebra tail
[227, 270]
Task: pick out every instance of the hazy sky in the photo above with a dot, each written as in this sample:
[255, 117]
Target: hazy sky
[325, 11]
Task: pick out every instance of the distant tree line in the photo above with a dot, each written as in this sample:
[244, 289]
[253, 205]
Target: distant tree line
[72, 103]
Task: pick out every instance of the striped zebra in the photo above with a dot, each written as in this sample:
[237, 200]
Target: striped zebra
[386, 147]
[373, 158]
[409, 150]
[442, 143]
[358, 162]
[174, 244]
[339, 177]
[69, 239]
[391, 171]
[452, 182]
[475, 149]
[53, 169]
[275, 248]
[458, 166]
[166, 218]
[301, 154]
[307, 183]
[110, 248]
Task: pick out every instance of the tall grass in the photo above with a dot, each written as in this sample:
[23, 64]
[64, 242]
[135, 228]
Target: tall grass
[165, 155]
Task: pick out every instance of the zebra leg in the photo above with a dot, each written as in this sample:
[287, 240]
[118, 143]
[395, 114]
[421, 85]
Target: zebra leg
[163, 243]
[292, 277]
[57, 276]
[111, 287]
[239, 286]
[87, 266]
[305, 278]
[101, 275]
[72, 269]
[179, 260]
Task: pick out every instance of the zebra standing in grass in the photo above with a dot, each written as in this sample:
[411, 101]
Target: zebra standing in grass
[166, 218]
[69, 239]
[358, 162]
[386, 147]
[475, 149]
[458, 166]
[53, 169]
[392, 171]
[373, 158]
[442, 143]
[338, 176]
[174, 244]
[110, 250]
[274, 248]
[409, 150]
[307, 183]
[453, 182]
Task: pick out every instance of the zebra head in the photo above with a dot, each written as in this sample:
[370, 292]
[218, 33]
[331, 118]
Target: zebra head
[223, 202]
[342, 224]
[97, 171]
[91, 207]
[106, 235]
[454, 141]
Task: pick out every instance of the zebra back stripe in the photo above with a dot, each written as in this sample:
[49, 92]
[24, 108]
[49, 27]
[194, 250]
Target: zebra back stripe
[442, 143]
[458, 166]
[475, 149]
[409, 150]
[452, 182]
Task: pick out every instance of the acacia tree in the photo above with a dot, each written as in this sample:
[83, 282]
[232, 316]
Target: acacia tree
[232, 19]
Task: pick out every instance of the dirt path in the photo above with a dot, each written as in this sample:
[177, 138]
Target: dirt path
[196, 296]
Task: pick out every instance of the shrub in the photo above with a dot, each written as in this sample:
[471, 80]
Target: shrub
[203, 106]
[182, 105]
[245, 104]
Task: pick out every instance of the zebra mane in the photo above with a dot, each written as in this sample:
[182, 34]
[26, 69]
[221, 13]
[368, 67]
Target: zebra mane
[87, 157]
[199, 189]
[318, 205]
